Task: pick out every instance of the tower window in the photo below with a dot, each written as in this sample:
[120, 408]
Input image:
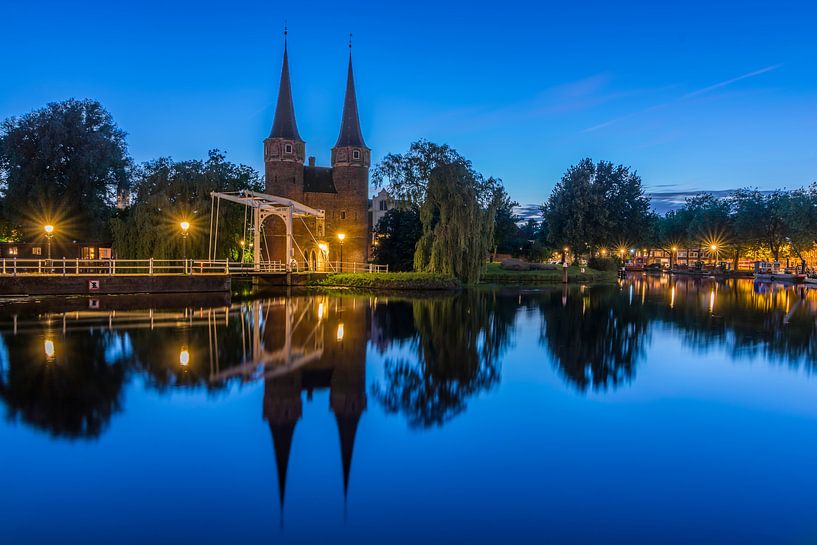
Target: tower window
[343, 214]
[288, 148]
[356, 154]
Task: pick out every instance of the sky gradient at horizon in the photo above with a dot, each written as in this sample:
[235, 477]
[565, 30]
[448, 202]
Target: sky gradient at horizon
[696, 96]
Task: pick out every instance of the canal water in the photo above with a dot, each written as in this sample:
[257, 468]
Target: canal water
[653, 411]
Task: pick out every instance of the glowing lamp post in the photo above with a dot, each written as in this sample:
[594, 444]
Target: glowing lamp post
[49, 234]
[341, 238]
[714, 249]
[674, 250]
[185, 227]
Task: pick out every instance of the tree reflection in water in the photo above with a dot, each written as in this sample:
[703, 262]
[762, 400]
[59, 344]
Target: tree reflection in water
[596, 336]
[459, 341]
[69, 386]
[441, 350]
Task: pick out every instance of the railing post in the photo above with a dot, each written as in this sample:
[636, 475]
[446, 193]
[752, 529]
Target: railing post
[227, 266]
[4, 265]
[77, 260]
[113, 266]
[14, 265]
[63, 265]
[39, 266]
[150, 267]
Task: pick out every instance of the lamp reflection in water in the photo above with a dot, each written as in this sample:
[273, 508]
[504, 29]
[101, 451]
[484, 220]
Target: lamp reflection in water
[184, 357]
[340, 331]
[320, 311]
[48, 347]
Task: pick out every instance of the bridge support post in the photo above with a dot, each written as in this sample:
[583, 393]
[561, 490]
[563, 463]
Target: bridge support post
[289, 239]
[256, 238]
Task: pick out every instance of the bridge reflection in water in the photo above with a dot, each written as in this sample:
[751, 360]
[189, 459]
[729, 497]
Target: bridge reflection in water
[64, 368]
[294, 344]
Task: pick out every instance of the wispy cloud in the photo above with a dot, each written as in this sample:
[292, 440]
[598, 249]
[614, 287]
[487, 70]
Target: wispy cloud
[687, 96]
[561, 99]
[722, 84]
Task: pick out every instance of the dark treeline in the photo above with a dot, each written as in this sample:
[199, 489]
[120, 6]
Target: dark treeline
[67, 165]
[747, 223]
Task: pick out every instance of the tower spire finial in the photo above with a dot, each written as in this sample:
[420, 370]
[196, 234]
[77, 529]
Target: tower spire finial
[283, 125]
[350, 134]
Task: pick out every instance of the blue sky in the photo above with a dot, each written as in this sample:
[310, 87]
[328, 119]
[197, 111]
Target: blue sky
[694, 95]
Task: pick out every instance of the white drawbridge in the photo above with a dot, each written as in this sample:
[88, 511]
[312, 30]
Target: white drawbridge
[263, 206]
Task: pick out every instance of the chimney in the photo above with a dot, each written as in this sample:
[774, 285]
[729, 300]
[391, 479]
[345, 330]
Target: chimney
[312, 161]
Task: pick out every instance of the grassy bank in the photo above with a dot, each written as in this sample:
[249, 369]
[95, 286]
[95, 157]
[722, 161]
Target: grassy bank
[495, 275]
[390, 281]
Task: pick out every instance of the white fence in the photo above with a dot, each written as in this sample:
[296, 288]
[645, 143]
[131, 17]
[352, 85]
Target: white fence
[155, 267]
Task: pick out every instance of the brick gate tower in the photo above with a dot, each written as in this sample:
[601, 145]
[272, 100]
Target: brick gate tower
[341, 190]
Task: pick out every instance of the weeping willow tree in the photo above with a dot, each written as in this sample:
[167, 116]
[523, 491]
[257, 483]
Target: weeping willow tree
[167, 192]
[457, 207]
[457, 230]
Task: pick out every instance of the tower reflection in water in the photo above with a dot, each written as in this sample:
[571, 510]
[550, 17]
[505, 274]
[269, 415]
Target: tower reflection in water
[64, 367]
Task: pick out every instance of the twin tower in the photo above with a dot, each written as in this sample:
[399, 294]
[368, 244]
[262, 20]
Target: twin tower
[341, 190]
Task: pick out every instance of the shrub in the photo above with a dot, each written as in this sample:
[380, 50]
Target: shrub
[603, 264]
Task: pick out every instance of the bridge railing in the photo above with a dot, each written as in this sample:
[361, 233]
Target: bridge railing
[153, 267]
[111, 267]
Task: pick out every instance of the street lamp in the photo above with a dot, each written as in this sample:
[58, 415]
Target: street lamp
[49, 234]
[714, 249]
[674, 251]
[185, 226]
[341, 238]
[242, 250]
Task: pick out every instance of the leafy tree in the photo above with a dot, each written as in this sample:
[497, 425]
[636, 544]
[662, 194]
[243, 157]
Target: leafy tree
[398, 232]
[709, 218]
[506, 232]
[167, 192]
[62, 164]
[748, 206]
[597, 204]
[407, 175]
[457, 206]
[457, 230]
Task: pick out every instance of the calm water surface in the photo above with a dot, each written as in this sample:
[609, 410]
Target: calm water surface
[655, 411]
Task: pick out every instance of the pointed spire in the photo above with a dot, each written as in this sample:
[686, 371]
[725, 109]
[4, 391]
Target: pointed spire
[347, 429]
[350, 134]
[282, 443]
[283, 125]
